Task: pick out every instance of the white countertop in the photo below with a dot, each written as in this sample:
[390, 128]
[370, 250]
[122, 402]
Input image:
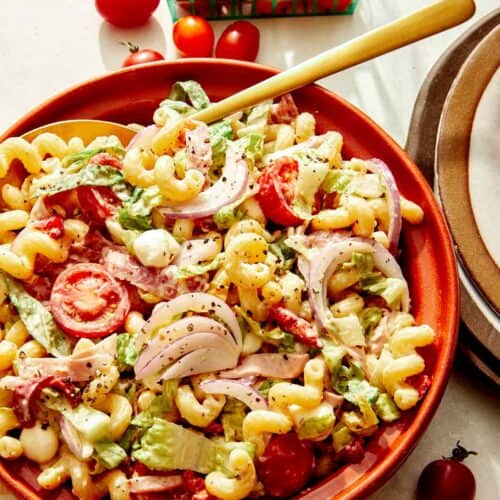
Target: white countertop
[46, 46]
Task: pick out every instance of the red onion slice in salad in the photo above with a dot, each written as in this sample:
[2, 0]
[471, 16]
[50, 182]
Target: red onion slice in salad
[332, 256]
[82, 449]
[153, 484]
[182, 328]
[393, 199]
[230, 187]
[181, 347]
[143, 138]
[271, 365]
[201, 361]
[164, 313]
[236, 389]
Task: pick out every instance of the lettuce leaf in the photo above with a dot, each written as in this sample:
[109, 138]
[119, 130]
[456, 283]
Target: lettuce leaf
[91, 175]
[220, 134]
[357, 389]
[111, 145]
[390, 289]
[189, 90]
[197, 269]
[38, 320]
[126, 352]
[109, 454]
[232, 420]
[136, 211]
[161, 405]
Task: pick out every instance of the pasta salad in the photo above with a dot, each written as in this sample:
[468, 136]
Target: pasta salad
[207, 312]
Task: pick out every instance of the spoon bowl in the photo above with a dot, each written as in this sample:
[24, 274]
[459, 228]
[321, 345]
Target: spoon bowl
[87, 130]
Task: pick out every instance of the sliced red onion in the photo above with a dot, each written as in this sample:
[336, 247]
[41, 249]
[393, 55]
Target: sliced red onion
[197, 251]
[76, 369]
[269, 365]
[143, 138]
[332, 256]
[81, 448]
[152, 484]
[230, 187]
[164, 313]
[182, 347]
[177, 330]
[200, 361]
[236, 389]
[303, 266]
[393, 200]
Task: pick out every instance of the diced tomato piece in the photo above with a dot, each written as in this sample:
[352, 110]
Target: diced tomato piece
[98, 202]
[277, 189]
[301, 329]
[286, 465]
[53, 226]
[106, 159]
[351, 453]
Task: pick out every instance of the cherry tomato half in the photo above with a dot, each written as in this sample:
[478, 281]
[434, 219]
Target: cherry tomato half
[277, 190]
[286, 465]
[448, 478]
[140, 56]
[87, 301]
[193, 37]
[240, 40]
[98, 202]
[126, 13]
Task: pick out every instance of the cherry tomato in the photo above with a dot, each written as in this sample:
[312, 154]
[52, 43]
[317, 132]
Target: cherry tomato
[193, 37]
[265, 7]
[448, 478]
[240, 40]
[126, 13]
[140, 56]
[98, 202]
[277, 190]
[286, 465]
[87, 301]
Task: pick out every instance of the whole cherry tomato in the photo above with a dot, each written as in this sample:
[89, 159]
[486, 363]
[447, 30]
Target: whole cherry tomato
[193, 37]
[240, 40]
[286, 465]
[277, 189]
[87, 301]
[126, 13]
[448, 478]
[140, 56]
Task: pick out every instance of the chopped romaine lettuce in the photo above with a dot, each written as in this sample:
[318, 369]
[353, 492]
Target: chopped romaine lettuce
[337, 181]
[386, 408]
[358, 389]
[91, 175]
[370, 318]
[92, 424]
[350, 182]
[313, 423]
[38, 320]
[345, 374]
[181, 91]
[286, 255]
[197, 269]
[232, 419]
[126, 352]
[227, 216]
[253, 146]
[310, 177]
[160, 406]
[257, 120]
[109, 454]
[76, 161]
[365, 419]
[390, 289]
[348, 329]
[136, 211]
[363, 262]
[333, 355]
[341, 437]
[220, 133]
[122, 236]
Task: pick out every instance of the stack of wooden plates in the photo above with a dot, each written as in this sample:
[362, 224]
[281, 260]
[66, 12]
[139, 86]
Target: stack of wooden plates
[455, 139]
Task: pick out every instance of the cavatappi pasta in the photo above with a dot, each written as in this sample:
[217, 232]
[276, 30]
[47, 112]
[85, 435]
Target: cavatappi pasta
[176, 311]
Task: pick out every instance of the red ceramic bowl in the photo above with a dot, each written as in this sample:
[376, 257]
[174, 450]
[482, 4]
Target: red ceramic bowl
[132, 94]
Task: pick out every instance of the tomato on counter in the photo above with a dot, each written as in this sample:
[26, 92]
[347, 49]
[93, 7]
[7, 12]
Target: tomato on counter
[193, 37]
[126, 13]
[240, 40]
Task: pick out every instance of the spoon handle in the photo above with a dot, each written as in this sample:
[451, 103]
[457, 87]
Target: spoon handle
[425, 22]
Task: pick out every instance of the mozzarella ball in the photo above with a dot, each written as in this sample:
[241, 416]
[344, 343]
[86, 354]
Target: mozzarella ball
[156, 248]
[40, 442]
